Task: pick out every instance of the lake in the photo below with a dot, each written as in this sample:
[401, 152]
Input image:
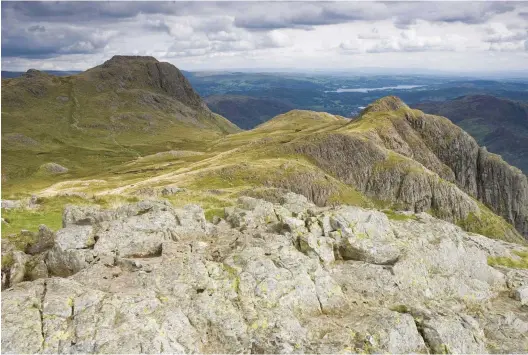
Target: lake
[366, 90]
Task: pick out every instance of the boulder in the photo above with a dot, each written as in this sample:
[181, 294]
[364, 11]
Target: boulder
[53, 168]
[45, 241]
[521, 295]
[11, 204]
[171, 190]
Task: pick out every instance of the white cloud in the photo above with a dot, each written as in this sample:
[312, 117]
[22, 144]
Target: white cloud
[499, 32]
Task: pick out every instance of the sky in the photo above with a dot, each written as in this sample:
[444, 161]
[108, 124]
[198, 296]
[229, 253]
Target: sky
[443, 36]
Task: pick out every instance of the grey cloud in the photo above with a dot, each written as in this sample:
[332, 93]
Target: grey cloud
[157, 25]
[52, 42]
[37, 28]
[264, 15]
[449, 12]
[500, 33]
[306, 15]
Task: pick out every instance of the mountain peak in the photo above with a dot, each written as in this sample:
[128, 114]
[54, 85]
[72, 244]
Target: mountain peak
[387, 103]
[128, 59]
[34, 73]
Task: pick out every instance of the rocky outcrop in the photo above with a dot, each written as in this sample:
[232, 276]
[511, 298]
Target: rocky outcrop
[420, 163]
[483, 175]
[503, 188]
[270, 278]
[147, 72]
[52, 168]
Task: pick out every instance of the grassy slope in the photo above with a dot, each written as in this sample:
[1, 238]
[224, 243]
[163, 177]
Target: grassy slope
[68, 120]
[257, 162]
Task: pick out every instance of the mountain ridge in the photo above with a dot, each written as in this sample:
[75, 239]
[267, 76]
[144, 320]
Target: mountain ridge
[392, 156]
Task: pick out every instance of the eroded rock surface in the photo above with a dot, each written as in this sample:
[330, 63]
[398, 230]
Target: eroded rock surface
[288, 278]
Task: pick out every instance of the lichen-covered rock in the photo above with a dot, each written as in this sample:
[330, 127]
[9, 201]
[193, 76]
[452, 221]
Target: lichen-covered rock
[45, 241]
[18, 267]
[53, 168]
[75, 237]
[171, 190]
[159, 279]
[458, 335]
[521, 294]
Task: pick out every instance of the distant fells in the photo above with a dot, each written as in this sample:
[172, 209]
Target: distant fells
[311, 233]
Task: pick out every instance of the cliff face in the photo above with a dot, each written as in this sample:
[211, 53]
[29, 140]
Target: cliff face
[504, 188]
[422, 163]
[497, 123]
[483, 175]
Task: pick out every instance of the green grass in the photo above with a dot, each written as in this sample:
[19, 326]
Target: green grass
[7, 260]
[490, 225]
[49, 213]
[212, 212]
[395, 216]
[521, 263]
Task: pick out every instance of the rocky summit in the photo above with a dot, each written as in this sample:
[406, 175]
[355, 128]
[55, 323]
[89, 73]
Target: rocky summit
[284, 277]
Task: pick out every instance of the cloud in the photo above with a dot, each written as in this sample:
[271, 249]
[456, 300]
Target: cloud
[352, 46]
[228, 42]
[470, 12]
[406, 41]
[37, 28]
[507, 46]
[264, 16]
[46, 42]
[499, 32]
[302, 32]
[373, 34]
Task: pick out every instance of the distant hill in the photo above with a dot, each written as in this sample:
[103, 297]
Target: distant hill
[499, 124]
[122, 109]
[16, 74]
[245, 111]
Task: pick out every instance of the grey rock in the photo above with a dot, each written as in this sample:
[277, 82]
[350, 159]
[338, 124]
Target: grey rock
[11, 204]
[171, 190]
[83, 215]
[521, 294]
[366, 235]
[18, 268]
[36, 268]
[295, 203]
[45, 241]
[53, 168]
[459, 335]
[162, 279]
[75, 237]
